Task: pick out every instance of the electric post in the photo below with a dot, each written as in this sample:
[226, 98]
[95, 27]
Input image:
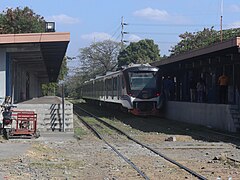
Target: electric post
[122, 32]
[63, 109]
[221, 19]
[122, 25]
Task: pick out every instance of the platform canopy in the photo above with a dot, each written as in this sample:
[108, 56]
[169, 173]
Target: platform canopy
[39, 52]
[225, 48]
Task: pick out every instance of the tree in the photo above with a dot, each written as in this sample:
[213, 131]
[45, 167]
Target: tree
[73, 84]
[143, 51]
[14, 21]
[99, 58]
[26, 21]
[64, 69]
[200, 39]
[51, 89]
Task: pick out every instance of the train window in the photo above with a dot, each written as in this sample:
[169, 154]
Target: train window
[101, 88]
[109, 84]
[115, 83]
[106, 88]
[141, 80]
[122, 82]
[118, 87]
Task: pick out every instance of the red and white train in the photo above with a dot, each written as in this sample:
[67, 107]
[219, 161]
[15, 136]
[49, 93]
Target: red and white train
[136, 88]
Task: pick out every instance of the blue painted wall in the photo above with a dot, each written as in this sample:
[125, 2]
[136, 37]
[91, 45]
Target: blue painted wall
[8, 75]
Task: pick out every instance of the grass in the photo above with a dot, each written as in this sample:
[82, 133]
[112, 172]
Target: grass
[102, 129]
[79, 132]
[58, 165]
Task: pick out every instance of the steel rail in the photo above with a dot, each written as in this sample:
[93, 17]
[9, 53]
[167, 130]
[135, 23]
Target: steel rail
[113, 148]
[214, 139]
[145, 146]
[232, 159]
[223, 134]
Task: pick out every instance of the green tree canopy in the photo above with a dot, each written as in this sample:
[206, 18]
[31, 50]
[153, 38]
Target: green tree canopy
[51, 89]
[99, 58]
[73, 84]
[64, 69]
[14, 21]
[190, 41]
[143, 51]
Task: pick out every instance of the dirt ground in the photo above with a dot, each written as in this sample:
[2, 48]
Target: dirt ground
[64, 156]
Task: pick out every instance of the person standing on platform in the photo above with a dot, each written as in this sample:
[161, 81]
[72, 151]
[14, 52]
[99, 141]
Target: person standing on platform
[192, 90]
[168, 87]
[223, 86]
[200, 90]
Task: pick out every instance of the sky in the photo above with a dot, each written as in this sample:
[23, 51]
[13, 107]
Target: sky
[163, 21]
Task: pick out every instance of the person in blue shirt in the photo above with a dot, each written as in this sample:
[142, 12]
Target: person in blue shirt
[168, 88]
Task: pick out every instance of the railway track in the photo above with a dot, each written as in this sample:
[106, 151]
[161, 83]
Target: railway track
[113, 148]
[188, 170]
[221, 137]
[209, 135]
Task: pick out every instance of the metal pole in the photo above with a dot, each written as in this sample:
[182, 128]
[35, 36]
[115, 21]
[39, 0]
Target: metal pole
[122, 25]
[234, 83]
[63, 109]
[221, 19]
[221, 33]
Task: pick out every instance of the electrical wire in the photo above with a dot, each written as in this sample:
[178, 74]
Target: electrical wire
[155, 33]
[117, 30]
[179, 25]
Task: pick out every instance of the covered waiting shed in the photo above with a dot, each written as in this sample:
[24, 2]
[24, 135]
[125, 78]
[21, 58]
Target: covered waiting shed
[206, 63]
[29, 60]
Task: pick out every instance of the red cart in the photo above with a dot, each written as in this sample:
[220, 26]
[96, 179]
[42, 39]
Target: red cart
[24, 125]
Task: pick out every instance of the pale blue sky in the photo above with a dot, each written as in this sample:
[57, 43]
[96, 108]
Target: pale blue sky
[160, 20]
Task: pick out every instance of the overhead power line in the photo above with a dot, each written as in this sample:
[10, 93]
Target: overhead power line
[116, 31]
[179, 25]
[156, 33]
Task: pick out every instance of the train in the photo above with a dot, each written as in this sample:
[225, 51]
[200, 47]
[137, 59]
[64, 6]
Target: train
[135, 88]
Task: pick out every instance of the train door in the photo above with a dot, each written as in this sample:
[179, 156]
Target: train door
[112, 87]
[118, 87]
[101, 89]
[115, 87]
[123, 85]
[106, 88]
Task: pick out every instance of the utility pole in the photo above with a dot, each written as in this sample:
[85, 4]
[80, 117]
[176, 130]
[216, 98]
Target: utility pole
[122, 25]
[122, 31]
[221, 33]
[221, 19]
[63, 109]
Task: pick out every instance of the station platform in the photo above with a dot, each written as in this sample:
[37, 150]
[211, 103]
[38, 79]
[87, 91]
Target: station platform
[225, 117]
[50, 113]
[44, 100]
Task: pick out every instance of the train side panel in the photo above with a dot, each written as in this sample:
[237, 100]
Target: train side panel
[118, 88]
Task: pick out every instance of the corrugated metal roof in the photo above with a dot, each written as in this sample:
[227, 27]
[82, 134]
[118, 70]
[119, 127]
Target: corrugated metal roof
[232, 43]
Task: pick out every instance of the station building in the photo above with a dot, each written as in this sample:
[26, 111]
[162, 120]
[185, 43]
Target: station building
[26, 62]
[208, 64]
[29, 60]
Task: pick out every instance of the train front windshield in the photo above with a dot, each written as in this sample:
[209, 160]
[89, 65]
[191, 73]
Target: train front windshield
[142, 82]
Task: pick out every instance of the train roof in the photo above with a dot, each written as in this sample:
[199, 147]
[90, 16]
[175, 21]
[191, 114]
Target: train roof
[140, 67]
[130, 67]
